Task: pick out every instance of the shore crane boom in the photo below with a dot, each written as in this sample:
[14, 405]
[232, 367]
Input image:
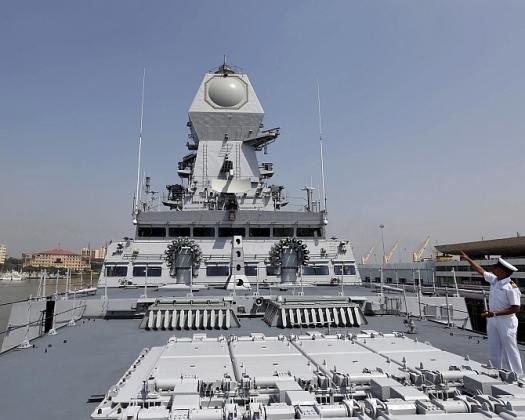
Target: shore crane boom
[387, 257]
[416, 256]
[367, 256]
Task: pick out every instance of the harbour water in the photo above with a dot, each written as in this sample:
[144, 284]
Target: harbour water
[15, 291]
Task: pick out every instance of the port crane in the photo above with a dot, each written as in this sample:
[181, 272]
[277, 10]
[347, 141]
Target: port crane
[367, 256]
[387, 257]
[416, 256]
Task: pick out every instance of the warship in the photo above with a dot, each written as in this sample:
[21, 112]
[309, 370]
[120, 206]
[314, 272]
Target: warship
[225, 305]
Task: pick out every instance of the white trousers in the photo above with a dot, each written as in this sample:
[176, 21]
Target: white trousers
[502, 333]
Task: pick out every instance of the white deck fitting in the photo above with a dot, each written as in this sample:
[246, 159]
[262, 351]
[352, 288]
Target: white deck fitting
[266, 361]
[366, 376]
[333, 356]
[419, 356]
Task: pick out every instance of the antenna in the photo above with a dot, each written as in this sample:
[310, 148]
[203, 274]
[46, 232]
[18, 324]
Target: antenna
[140, 146]
[143, 188]
[321, 140]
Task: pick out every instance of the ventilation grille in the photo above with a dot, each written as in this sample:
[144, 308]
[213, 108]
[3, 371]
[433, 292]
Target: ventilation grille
[296, 315]
[189, 319]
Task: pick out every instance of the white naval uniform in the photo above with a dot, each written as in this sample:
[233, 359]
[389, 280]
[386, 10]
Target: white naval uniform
[502, 329]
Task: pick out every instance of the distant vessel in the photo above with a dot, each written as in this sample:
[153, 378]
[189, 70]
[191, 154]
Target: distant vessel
[13, 276]
[226, 307]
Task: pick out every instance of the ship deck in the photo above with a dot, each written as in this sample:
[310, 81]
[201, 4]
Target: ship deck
[60, 373]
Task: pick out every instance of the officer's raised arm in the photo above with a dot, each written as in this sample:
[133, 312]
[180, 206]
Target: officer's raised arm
[474, 265]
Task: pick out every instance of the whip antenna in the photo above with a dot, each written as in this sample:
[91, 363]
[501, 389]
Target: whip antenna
[321, 140]
[140, 148]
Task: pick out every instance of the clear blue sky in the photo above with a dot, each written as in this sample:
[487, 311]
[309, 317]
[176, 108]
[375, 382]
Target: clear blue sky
[423, 106]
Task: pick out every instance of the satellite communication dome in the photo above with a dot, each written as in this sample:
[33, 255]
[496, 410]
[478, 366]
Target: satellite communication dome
[227, 92]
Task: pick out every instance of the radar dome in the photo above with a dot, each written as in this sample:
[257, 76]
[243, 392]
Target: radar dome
[226, 92]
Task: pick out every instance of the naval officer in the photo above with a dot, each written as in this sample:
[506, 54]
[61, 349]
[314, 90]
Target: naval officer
[502, 323]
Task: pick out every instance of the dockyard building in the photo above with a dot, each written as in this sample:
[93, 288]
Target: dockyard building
[3, 249]
[58, 258]
[485, 253]
[447, 270]
[94, 254]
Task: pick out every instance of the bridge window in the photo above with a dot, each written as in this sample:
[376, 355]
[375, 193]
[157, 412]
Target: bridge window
[217, 270]
[229, 232]
[116, 271]
[178, 232]
[283, 232]
[271, 271]
[151, 232]
[308, 232]
[344, 269]
[204, 232]
[257, 232]
[140, 271]
[250, 270]
[321, 270]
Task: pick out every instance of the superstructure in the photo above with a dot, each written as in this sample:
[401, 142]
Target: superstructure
[225, 222]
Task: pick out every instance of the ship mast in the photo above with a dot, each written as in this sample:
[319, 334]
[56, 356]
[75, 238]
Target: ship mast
[321, 142]
[136, 209]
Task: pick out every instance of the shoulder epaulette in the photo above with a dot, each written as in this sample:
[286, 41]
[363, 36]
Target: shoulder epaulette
[513, 284]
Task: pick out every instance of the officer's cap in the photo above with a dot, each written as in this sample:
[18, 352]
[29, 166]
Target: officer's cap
[504, 264]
